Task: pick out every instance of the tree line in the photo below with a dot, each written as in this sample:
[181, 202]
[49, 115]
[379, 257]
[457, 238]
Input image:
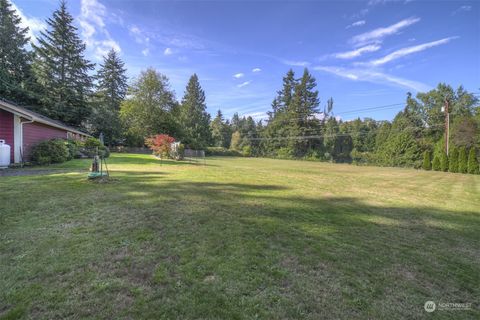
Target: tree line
[53, 77]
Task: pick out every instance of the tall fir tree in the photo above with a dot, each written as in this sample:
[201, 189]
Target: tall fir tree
[194, 120]
[62, 71]
[220, 131]
[301, 113]
[15, 69]
[111, 91]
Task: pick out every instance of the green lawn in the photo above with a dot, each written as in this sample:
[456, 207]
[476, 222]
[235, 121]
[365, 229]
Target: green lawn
[238, 238]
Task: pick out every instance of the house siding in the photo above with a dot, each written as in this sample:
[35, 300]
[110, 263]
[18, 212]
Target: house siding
[6, 131]
[34, 133]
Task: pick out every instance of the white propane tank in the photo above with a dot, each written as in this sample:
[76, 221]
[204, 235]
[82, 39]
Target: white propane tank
[4, 154]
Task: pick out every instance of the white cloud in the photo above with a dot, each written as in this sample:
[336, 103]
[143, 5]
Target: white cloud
[33, 24]
[377, 35]
[374, 76]
[146, 52]
[356, 24]
[409, 50]
[295, 63]
[243, 84]
[238, 75]
[168, 52]
[93, 29]
[357, 52]
[462, 9]
[256, 70]
[139, 36]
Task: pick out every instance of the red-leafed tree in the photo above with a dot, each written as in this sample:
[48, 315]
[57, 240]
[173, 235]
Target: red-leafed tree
[160, 144]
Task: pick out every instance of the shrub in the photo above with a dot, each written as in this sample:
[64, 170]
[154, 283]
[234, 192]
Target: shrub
[90, 148]
[220, 151]
[472, 162]
[427, 164]
[444, 162]
[285, 153]
[50, 151]
[160, 144]
[436, 163]
[73, 147]
[462, 160]
[247, 151]
[453, 160]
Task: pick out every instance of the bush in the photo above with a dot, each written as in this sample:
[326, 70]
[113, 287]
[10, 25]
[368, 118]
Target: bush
[462, 160]
[50, 151]
[472, 162]
[444, 162]
[285, 153]
[220, 151]
[247, 151]
[427, 164]
[453, 160]
[73, 147]
[90, 148]
[436, 163]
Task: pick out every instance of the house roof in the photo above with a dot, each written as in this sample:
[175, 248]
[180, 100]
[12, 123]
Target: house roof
[36, 117]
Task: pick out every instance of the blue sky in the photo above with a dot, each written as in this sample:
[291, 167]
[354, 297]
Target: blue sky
[362, 53]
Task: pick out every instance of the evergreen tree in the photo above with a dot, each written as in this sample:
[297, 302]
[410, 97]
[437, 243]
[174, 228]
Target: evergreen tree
[111, 91]
[427, 164]
[149, 108]
[304, 106]
[220, 131]
[436, 165]
[194, 120]
[472, 162]
[15, 70]
[453, 160]
[62, 71]
[444, 162]
[462, 160]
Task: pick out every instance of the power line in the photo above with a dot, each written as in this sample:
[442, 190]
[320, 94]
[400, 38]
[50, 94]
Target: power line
[336, 134]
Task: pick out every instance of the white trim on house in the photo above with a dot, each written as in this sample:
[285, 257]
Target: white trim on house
[17, 139]
[34, 117]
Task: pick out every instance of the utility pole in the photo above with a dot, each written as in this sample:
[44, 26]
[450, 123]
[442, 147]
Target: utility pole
[447, 125]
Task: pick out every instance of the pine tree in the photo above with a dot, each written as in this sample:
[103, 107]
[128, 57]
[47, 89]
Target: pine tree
[193, 117]
[462, 160]
[444, 162]
[427, 164]
[111, 91]
[15, 69]
[472, 162]
[436, 163]
[453, 160]
[62, 71]
[301, 111]
[220, 131]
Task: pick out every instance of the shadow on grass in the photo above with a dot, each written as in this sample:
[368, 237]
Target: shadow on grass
[231, 250]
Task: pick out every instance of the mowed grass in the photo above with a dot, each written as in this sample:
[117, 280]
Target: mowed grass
[238, 238]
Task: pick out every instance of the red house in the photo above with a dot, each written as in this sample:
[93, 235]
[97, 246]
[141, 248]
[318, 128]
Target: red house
[22, 129]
